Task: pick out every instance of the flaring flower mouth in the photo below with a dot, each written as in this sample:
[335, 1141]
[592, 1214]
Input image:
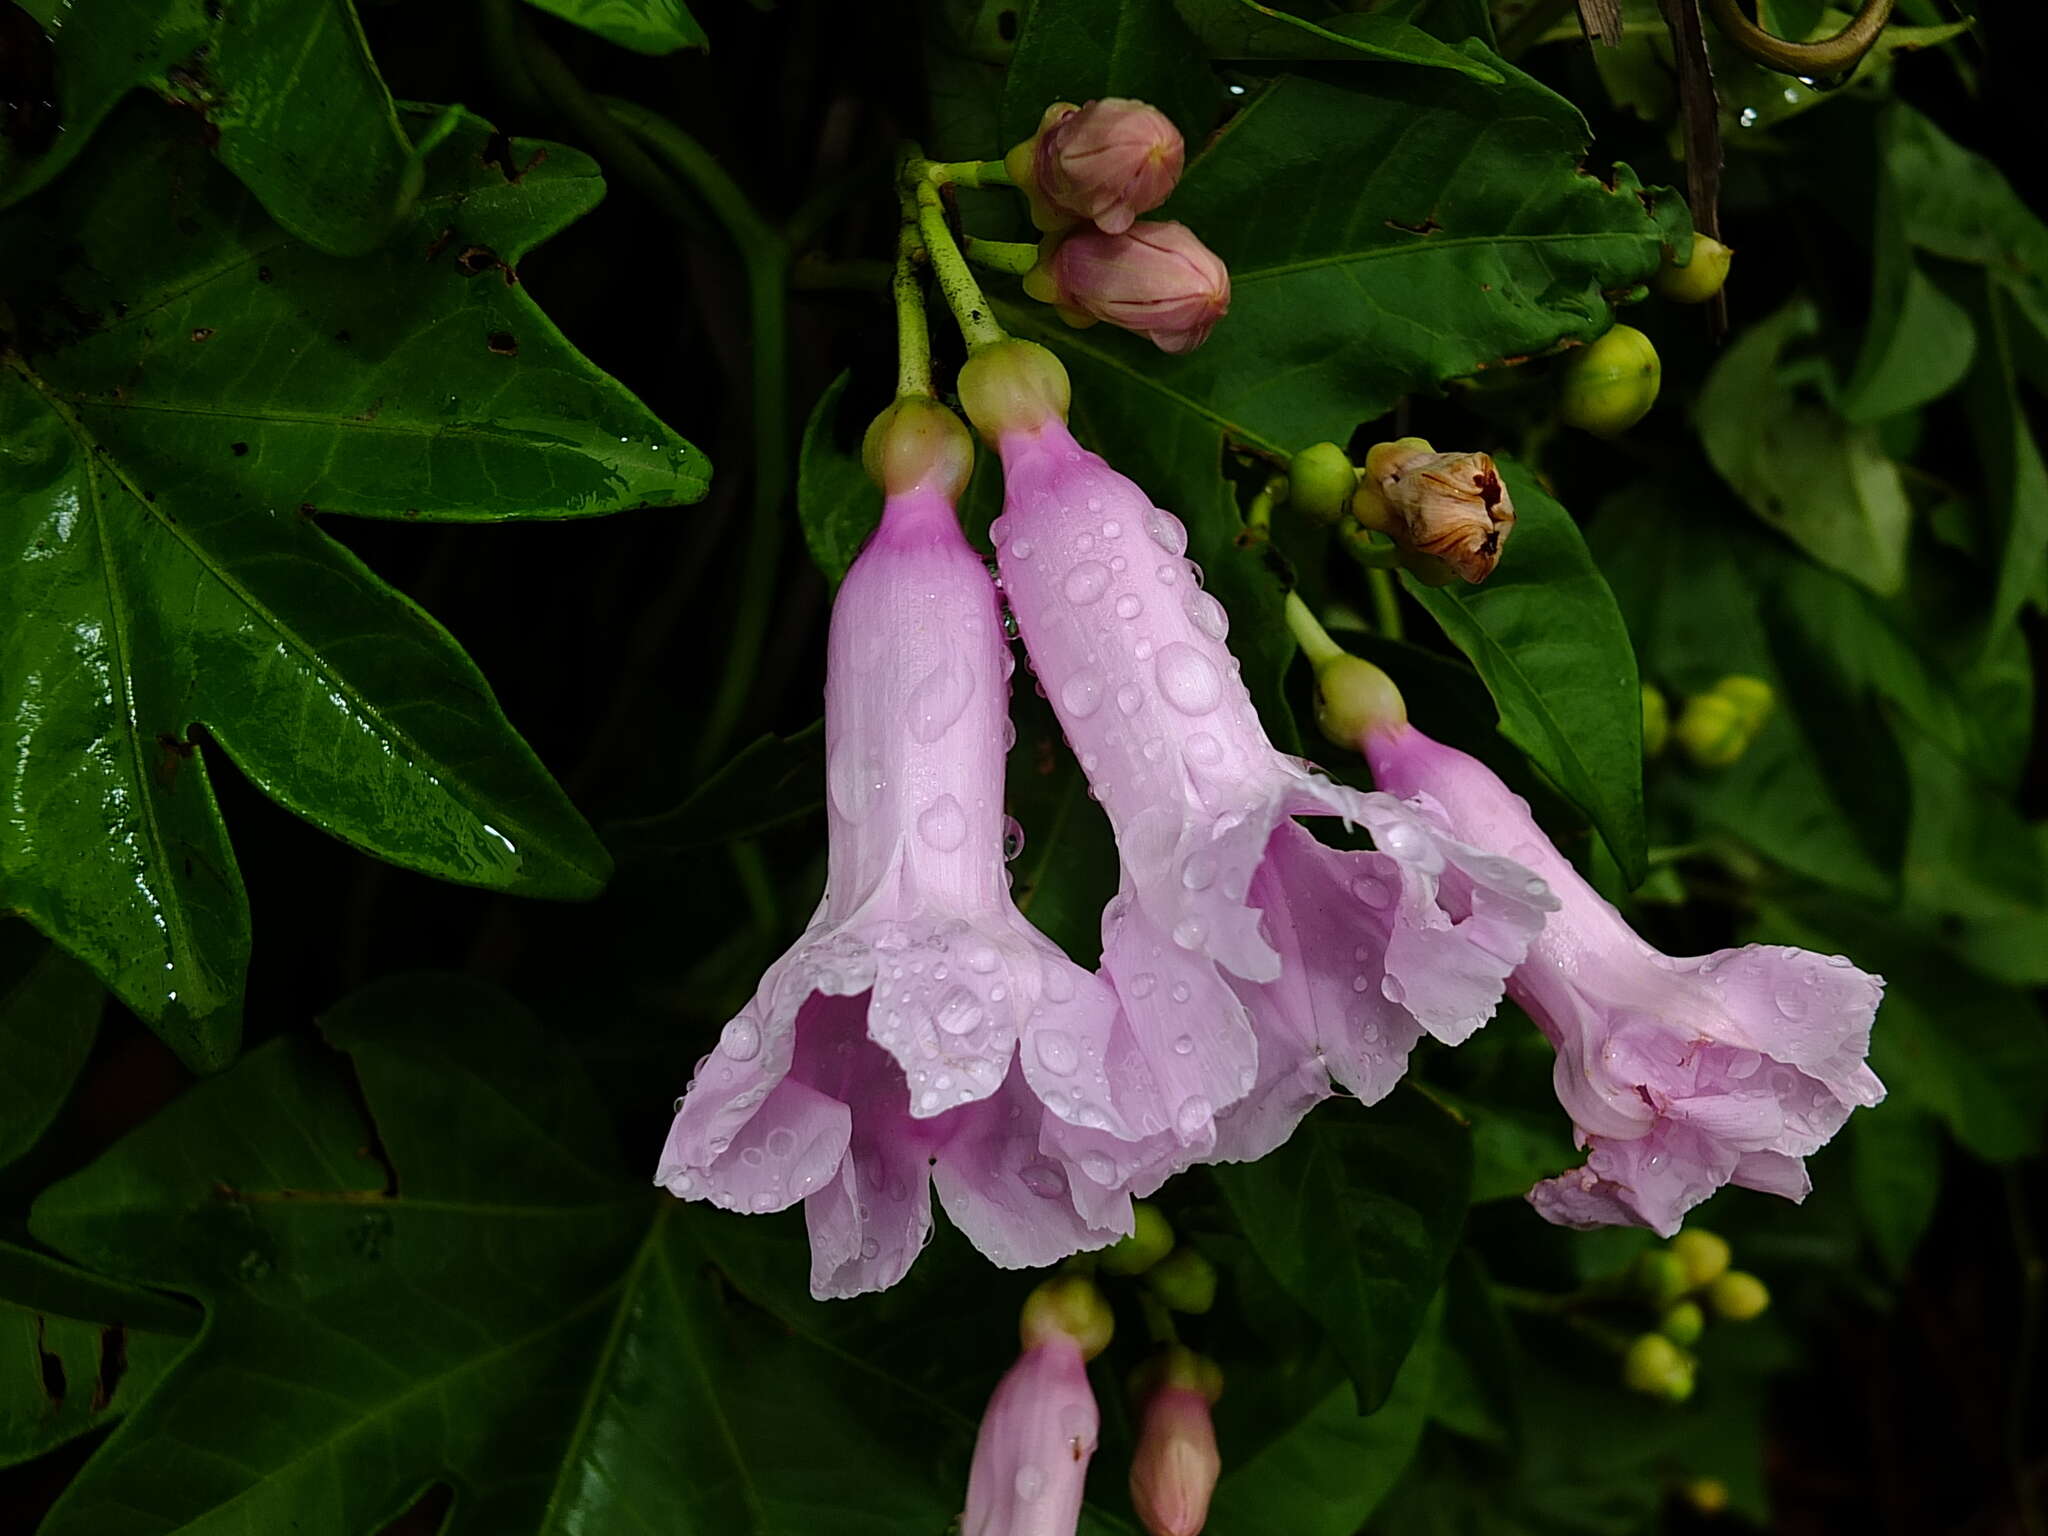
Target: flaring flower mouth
[1680, 1075]
[879, 1055]
[1246, 958]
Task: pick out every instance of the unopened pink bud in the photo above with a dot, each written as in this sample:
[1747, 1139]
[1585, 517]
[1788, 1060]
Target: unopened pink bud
[1155, 279]
[1174, 1470]
[1031, 1454]
[1108, 162]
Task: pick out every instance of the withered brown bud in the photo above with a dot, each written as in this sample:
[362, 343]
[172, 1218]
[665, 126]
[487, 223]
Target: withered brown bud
[1452, 506]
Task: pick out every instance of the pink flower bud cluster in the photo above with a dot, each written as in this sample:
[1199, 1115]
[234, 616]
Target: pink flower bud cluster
[1090, 172]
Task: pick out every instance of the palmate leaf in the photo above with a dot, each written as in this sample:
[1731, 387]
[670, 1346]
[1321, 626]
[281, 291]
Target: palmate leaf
[506, 1308]
[177, 404]
[288, 87]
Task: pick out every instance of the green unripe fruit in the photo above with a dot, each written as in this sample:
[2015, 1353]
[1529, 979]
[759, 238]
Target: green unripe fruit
[1149, 1242]
[1708, 1495]
[1684, 1323]
[1656, 722]
[1704, 1254]
[1699, 279]
[1610, 386]
[1320, 482]
[1656, 1367]
[1738, 1296]
[1660, 1277]
[1183, 1281]
[1716, 727]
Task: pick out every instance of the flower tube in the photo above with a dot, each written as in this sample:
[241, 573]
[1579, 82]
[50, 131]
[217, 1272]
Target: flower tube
[1680, 1074]
[1041, 1426]
[1252, 962]
[878, 1055]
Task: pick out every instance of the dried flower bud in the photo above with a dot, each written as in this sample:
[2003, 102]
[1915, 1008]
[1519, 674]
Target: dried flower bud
[1155, 279]
[1105, 163]
[1451, 506]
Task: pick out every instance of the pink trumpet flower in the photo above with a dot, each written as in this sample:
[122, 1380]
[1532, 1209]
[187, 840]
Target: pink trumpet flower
[1252, 962]
[878, 1055]
[1680, 1074]
[1106, 162]
[1176, 1464]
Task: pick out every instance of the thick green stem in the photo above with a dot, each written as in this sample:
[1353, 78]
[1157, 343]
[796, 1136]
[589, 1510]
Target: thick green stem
[913, 331]
[1013, 256]
[1837, 54]
[963, 294]
[1386, 601]
[965, 173]
[1258, 517]
[1309, 634]
[764, 256]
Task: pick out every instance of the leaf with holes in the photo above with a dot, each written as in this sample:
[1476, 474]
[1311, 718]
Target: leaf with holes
[186, 387]
[506, 1308]
[287, 88]
[80, 1350]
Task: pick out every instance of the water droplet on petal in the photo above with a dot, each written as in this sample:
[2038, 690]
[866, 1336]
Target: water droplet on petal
[741, 1040]
[1081, 694]
[1143, 983]
[1112, 529]
[1189, 932]
[1130, 698]
[854, 779]
[1059, 986]
[1371, 890]
[1099, 1166]
[1189, 679]
[1535, 888]
[781, 1141]
[1206, 614]
[1044, 1178]
[943, 824]
[753, 1157]
[1055, 1049]
[1020, 549]
[940, 699]
[764, 1202]
[1204, 750]
[1392, 990]
[1193, 1117]
[1087, 581]
[1180, 992]
[1184, 1045]
[1198, 873]
[1166, 531]
[959, 1012]
[1013, 836]
[1129, 606]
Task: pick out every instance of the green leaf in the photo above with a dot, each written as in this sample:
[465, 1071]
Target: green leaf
[1826, 484]
[1327, 1473]
[836, 502]
[1822, 790]
[80, 1351]
[645, 26]
[180, 400]
[1355, 1219]
[287, 86]
[49, 1014]
[1896, 1171]
[1079, 50]
[1066, 871]
[1244, 29]
[1381, 241]
[1546, 636]
[506, 1308]
[770, 782]
[2014, 514]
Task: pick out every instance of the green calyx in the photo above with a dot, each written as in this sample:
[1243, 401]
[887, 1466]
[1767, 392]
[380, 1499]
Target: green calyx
[1354, 699]
[918, 443]
[1013, 386]
[1072, 1305]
